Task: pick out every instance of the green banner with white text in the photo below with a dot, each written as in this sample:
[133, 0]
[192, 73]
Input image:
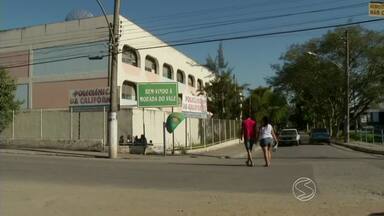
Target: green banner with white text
[157, 94]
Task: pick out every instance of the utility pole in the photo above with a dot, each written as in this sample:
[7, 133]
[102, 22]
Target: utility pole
[346, 136]
[112, 120]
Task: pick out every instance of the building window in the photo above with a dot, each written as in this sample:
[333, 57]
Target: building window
[180, 98]
[167, 71]
[128, 90]
[191, 80]
[22, 95]
[199, 84]
[150, 64]
[130, 56]
[180, 76]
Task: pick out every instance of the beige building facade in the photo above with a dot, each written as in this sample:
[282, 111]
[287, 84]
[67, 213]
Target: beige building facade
[51, 60]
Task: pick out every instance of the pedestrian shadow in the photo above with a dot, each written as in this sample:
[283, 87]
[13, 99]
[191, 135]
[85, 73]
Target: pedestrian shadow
[327, 158]
[377, 214]
[210, 156]
[209, 164]
[213, 164]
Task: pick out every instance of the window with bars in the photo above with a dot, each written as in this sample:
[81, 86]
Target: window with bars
[199, 84]
[180, 76]
[167, 71]
[150, 64]
[130, 56]
[128, 90]
[191, 80]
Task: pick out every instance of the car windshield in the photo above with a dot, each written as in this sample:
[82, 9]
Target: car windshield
[288, 132]
[320, 130]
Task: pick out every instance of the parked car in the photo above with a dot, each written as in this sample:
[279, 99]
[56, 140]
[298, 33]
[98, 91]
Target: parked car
[319, 135]
[289, 136]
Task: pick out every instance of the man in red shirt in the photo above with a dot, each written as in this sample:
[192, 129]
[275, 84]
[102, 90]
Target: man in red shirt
[248, 131]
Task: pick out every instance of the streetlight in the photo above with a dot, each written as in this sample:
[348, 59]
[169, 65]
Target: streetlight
[250, 101]
[325, 58]
[346, 68]
[241, 104]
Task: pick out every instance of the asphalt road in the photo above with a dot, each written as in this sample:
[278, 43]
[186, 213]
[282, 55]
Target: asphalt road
[338, 172]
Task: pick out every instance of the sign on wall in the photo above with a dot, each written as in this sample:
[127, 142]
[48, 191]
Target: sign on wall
[376, 9]
[157, 94]
[195, 106]
[89, 97]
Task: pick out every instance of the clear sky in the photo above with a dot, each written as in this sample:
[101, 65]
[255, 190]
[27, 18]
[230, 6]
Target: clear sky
[181, 20]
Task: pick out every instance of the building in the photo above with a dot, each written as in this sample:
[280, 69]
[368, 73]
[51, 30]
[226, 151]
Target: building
[374, 117]
[49, 61]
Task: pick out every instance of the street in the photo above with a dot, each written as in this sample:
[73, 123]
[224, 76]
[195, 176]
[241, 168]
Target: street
[214, 183]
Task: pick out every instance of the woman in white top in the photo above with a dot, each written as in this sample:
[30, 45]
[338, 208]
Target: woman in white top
[267, 136]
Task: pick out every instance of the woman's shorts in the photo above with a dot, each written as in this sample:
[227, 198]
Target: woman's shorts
[266, 141]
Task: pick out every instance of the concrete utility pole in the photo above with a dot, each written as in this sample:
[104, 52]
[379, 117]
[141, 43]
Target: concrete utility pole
[112, 119]
[346, 137]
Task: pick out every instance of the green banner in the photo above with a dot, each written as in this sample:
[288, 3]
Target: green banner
[157, 94]
[173, 120]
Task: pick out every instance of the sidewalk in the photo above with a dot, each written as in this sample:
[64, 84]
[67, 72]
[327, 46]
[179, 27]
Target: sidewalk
[362, 146]
[216, 149]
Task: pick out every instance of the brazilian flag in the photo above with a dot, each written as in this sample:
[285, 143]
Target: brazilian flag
[173, 120]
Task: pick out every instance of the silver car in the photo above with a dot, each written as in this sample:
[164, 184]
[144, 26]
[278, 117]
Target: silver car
[289, 136]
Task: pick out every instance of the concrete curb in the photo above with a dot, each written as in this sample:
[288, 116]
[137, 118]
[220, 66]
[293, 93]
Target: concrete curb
[360, 148]
[50, 153]
[214, 147]
[55, 144]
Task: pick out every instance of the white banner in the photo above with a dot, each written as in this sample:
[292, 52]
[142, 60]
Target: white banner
[194, 106]
[89, 97]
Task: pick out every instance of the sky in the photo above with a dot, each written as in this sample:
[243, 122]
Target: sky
[199, 20]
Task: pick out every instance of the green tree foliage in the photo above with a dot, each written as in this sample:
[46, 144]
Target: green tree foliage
[7, 99]
[223, 92]
[316, 85]
[265, 102]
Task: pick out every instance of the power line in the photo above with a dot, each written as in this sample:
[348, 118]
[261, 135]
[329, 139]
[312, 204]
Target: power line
[179, 29]
[211, 40]
[261, 35]
[207, 10]
[198, 26]
[200, 13]
[85, 39]
[50, 61]
[218, 33]
[62, 47]
[78, 31]
[242, 21]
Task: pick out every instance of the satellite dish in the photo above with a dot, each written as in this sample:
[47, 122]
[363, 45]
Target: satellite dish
[78, 14]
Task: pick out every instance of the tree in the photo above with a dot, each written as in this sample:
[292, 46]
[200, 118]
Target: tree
[265, 102]
[316, 84]
[223, 92]
[7, 99]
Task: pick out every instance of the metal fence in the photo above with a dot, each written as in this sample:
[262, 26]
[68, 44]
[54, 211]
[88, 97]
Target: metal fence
[369, 135]
[91, 125]
[215, 131]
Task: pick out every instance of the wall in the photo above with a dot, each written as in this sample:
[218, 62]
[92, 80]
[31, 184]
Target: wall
[64, 125]
[56, 94]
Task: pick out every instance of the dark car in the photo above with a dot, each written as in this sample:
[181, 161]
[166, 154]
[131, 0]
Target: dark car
[320, 135]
